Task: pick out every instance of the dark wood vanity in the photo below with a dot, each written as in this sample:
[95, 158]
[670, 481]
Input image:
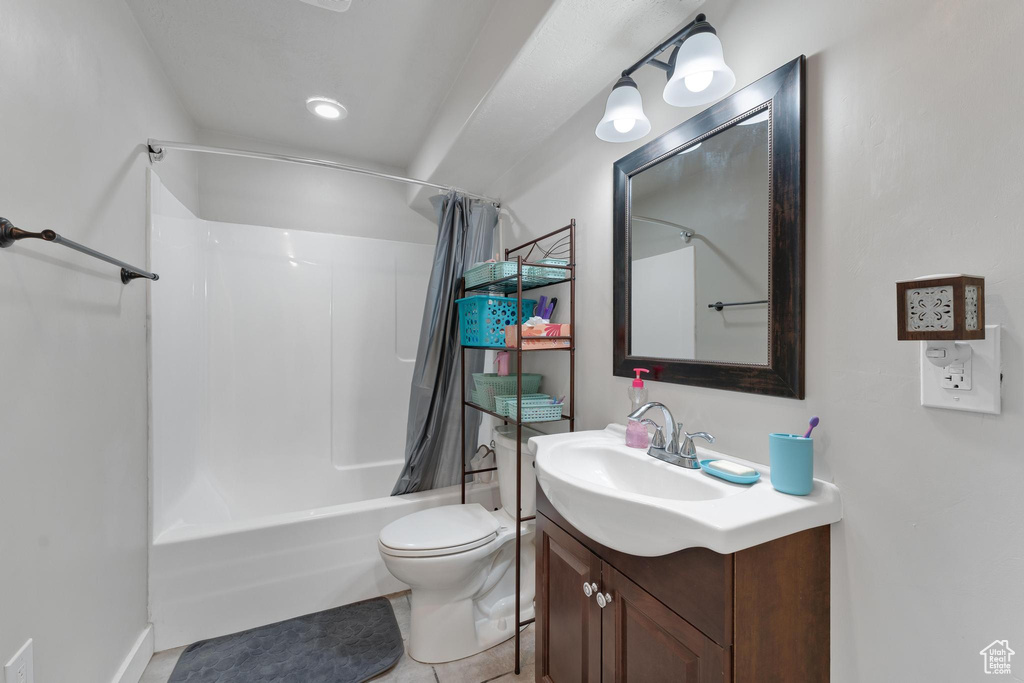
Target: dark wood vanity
[695, 616]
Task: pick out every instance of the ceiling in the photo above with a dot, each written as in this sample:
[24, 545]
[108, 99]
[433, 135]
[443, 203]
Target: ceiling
[248, 66]
[575, 52]
[450, 91]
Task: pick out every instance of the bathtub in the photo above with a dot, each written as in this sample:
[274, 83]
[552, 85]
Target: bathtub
[211, 579]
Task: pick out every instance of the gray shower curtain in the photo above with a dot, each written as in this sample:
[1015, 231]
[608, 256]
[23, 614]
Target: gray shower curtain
[465, 236]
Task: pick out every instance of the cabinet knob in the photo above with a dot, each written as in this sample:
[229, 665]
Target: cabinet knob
[604, 599]
[589, 588]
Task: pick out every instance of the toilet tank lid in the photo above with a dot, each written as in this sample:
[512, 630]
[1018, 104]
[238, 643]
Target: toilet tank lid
[449, 526]
[505, 436]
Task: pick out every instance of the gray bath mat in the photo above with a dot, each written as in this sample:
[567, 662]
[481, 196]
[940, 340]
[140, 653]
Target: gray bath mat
[343, 645]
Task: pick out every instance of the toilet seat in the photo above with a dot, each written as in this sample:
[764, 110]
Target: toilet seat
[446, 530]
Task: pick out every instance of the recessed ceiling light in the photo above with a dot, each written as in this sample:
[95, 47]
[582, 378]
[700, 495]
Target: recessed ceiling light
[326, 108]
[333, 5]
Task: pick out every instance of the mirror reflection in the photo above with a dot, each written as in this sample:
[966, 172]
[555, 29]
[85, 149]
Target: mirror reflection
[699, 250]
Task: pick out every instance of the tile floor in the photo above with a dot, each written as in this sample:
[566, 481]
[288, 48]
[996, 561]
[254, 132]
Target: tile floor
[491, 666]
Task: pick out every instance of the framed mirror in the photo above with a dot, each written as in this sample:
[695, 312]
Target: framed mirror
[709, 245]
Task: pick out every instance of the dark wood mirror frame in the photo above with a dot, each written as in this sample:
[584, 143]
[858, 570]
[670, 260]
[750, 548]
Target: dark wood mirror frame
[781, 92]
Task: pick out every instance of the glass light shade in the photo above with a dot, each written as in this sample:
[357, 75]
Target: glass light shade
[698, 56]
[624, 119]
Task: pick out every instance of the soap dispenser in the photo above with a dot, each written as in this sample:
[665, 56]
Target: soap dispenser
[637, 392]
[636, 432]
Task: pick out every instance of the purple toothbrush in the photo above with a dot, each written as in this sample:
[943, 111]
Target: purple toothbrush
[814, 423]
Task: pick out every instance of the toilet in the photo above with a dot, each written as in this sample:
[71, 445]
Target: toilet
[458, 560]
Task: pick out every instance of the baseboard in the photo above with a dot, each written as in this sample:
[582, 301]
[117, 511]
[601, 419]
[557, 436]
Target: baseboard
[134, 665]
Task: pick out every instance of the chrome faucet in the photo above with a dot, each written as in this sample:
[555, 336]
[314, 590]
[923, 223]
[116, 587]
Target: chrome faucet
[670, 423]
[669, 451]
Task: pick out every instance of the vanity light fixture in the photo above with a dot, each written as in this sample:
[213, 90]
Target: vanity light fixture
[326, 108]
[697, 74]
[624, 119]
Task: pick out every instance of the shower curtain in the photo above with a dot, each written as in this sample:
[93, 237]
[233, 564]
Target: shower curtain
[465, 236]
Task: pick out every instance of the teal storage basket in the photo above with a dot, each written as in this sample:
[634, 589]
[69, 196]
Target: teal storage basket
[542, 276]
[534, 410]
[491, 384]
[488, 272]
[502, 403]
[482, 319]
[533, 276]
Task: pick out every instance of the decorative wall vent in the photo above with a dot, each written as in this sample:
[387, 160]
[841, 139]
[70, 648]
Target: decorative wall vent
[941, 308]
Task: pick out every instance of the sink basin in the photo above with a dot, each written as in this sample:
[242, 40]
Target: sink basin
[625, 499]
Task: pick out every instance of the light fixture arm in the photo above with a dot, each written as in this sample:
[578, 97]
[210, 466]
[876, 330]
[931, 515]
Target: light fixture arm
[698, 25]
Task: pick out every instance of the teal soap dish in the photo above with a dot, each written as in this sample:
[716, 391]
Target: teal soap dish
[706, 466]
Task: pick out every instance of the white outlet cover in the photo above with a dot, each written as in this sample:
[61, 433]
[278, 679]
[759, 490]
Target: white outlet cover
[19, 668]
[984, 396]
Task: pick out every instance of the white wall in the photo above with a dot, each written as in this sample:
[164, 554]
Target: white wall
[913, 167]
[291, 196]
[81, 93]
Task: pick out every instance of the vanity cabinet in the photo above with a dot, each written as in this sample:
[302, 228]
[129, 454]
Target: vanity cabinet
[571, 627]
[696, 616]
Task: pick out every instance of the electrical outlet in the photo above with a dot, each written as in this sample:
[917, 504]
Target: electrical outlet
[973, 384]
[19, 668]
[957, 375]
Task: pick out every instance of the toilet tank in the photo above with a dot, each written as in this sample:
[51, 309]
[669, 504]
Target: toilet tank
[505, 456]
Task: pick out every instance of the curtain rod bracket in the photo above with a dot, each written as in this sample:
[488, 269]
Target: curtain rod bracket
[129, 275]
[155, 154]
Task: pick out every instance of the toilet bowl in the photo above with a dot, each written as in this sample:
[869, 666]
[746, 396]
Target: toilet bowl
[459, 561]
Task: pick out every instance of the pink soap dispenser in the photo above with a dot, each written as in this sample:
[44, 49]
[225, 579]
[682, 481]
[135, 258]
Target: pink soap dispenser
[636, 433]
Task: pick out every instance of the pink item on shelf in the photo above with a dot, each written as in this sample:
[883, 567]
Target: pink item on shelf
[501, 361]
[636, 435]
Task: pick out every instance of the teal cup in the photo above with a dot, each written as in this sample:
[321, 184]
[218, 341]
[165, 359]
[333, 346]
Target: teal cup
[791, 459]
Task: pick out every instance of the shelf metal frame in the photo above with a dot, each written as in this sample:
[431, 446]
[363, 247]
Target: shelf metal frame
[504, 286]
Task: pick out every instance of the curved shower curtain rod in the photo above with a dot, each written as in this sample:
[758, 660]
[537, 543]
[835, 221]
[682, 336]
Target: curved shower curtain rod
[158, 148]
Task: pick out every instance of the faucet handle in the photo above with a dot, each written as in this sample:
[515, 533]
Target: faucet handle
[702, 435]
[688, 449]
[658, 440]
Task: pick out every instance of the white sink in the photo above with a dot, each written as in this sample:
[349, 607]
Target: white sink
[627, 500]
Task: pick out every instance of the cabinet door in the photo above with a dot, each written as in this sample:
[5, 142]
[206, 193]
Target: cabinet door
[568, 621]
[646, 642]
